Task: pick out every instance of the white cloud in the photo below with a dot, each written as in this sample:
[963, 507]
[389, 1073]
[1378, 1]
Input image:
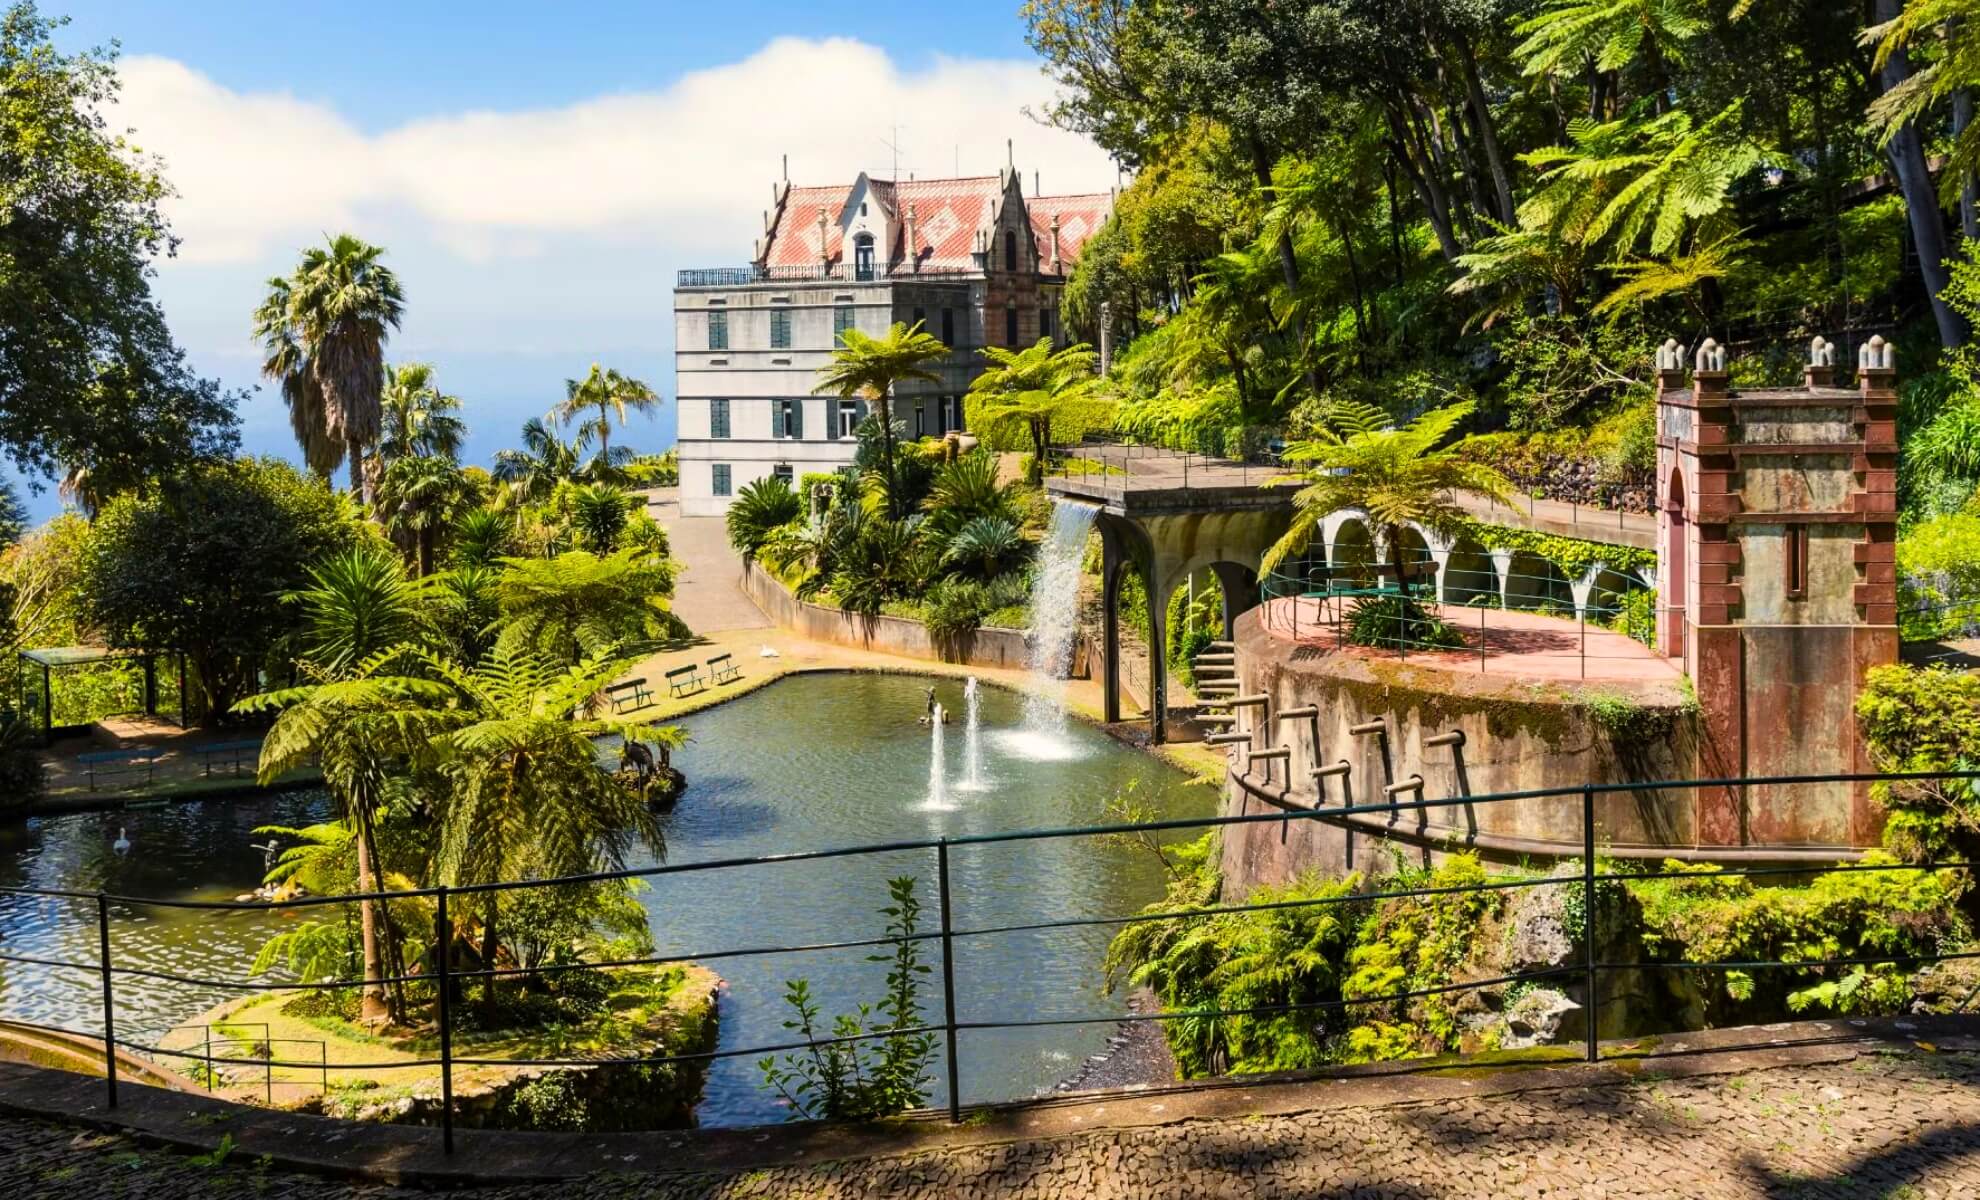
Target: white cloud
[685, 169]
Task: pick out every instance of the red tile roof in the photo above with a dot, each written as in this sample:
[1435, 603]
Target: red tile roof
[1080, 217]
[947, 215]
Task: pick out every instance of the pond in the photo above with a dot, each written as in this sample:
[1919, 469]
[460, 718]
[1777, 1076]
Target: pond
[811, 762]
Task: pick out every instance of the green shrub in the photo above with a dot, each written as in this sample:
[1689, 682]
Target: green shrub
[876, 1076]
[1398, 622]
[955, 608]
[1938, 563]
[758, 511]
[1924, 720]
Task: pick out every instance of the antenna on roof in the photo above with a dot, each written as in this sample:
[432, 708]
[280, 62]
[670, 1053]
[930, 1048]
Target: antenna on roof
[894, 145]
[787, 168]
[1010, 154]
[1036, 187]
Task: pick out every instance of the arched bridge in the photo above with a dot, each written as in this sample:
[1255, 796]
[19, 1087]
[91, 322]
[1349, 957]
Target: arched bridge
[1170, 516]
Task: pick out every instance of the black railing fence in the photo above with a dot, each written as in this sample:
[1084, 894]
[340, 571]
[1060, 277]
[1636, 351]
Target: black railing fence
[952, 928]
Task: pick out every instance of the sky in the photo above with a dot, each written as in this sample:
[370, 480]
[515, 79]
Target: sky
[536, 173]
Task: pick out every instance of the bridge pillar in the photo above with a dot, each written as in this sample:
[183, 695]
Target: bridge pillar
[1240, 587]
[1159, 586]
[1111, 565]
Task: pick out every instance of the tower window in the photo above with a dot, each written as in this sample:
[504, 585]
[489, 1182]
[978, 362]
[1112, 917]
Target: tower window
[780, 329]
[1010, 250]
[948, 327]
[842, 320]
[1010, 326]
[719, 478]
[718, 418]
[718, 331]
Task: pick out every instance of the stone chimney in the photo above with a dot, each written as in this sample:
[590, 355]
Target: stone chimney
[824, 247]
[1056, 270]
[1670, 366]
[908, 242]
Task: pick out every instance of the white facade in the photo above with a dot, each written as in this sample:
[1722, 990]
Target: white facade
[761, 385]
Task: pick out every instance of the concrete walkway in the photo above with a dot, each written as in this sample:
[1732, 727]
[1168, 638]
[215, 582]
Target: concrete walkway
[1792, 1112]
[708, 595]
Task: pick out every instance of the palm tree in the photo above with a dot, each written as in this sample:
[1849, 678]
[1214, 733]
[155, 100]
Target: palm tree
[869, 368]
[1398, 476]
[610, 394]
[323, 329]
[526, 795]
[361, 723]
[760, 509]
[418, 420]
[545, 461]
[1034, 387]
[417, 498]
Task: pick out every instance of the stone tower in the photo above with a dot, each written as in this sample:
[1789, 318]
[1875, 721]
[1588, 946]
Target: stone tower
[1776, 533]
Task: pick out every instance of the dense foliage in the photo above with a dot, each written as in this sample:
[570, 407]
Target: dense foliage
[199, 565]
[91, 383]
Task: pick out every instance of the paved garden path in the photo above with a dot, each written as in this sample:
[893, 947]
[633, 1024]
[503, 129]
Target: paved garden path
[1899, 1125]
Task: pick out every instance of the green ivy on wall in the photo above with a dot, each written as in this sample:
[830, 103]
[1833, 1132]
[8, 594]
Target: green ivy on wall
[1574, 556]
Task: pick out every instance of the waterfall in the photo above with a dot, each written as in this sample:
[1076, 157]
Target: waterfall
[938, 781]
[972, 738]
[1054, 626]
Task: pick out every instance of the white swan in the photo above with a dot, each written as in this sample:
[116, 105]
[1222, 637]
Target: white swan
[123, 843]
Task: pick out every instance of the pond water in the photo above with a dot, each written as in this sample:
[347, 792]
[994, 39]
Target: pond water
[811, 762]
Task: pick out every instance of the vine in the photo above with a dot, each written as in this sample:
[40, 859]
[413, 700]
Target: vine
[1574, 556]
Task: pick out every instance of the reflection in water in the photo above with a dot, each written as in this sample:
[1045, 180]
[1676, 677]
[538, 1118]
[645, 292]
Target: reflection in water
[813, 762]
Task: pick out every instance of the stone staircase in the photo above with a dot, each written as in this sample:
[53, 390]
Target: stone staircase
[1216, 687]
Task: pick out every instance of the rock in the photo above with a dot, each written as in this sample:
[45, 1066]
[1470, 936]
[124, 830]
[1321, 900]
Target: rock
[1946, 987]
[1535, 1019]
[1540, 936]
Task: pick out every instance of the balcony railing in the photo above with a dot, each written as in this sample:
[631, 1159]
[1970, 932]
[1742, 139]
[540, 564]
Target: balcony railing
[716, 277]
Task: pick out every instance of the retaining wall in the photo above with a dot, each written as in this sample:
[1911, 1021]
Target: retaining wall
[986, 647]
[1516, 737]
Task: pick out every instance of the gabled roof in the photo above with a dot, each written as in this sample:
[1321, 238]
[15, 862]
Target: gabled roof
[947, 213]
[1080, 217]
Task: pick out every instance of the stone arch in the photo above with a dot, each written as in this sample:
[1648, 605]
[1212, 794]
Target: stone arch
[1469, 574]
[1351, 550]
[1610, 589]
[1533, 582]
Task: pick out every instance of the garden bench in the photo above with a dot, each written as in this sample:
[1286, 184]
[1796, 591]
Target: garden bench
[229, 754]
[684, 681]
[722, 669]
[630, 694]
[120, 762]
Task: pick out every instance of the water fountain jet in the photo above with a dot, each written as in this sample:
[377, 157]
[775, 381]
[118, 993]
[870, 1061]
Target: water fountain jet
[1054, 632]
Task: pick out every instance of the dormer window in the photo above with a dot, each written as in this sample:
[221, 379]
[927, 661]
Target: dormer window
[862, 208]
[863, 256]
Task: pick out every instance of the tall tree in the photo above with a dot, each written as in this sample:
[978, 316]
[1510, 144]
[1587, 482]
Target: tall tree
[90, 380]
[870, 368]
[323, 329]
[608, 394]
[1906, 148]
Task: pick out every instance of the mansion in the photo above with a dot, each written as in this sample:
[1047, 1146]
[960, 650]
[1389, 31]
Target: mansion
[974, 260]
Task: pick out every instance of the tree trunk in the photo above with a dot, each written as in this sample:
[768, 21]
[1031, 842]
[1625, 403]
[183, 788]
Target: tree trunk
[1426, 194]
[488, 948]
[1969, 193]
[1261, 166]
[604, 440]
[883, 407]
[1041, 437]
[1488, 136]
[373, 1008]
[425, 551]
[1921, 202]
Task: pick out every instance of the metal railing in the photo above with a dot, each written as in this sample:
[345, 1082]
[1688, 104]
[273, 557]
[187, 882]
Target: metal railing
[953, 1026]
[1112, 469]
[710, 277]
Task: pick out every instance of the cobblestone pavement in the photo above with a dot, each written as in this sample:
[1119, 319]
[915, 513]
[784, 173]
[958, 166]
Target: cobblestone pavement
[1899, 1127]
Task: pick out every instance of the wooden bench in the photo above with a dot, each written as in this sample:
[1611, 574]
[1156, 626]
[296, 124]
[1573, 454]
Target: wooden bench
[630, 694]
[229, 754]
[722, 668]
[684, 681]
[120, 762]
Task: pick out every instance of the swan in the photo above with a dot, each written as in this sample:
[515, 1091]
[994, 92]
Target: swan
[123, 843]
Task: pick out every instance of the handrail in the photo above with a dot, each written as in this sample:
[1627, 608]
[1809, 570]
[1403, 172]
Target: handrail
[950, 1026]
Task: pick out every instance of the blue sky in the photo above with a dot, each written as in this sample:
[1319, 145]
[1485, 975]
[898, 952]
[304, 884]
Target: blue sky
[537, 173]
